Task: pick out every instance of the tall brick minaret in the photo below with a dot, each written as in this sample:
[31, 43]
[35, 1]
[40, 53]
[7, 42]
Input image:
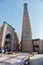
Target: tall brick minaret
[26, 39]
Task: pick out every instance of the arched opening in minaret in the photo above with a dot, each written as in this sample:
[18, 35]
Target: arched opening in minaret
[8, 40]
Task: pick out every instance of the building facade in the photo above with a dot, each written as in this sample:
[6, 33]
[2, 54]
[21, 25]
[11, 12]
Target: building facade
[8, 37]
[37, 45]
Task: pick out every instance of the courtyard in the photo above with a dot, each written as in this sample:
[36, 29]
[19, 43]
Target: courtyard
[36, 59]
[21, 58]
[14, 59]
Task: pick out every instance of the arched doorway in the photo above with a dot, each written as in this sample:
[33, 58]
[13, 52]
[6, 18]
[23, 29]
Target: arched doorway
[8, 40]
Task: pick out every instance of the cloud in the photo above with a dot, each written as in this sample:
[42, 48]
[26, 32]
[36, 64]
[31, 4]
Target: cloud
[41, 35]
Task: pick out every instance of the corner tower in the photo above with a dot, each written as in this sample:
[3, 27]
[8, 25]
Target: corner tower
[26, 38]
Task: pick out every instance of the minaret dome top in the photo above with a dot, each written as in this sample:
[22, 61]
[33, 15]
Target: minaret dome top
[25, 4]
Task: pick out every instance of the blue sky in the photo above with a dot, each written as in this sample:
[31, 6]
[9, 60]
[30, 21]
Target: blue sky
[11, 11]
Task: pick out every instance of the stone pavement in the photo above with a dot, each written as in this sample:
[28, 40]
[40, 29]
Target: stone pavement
[36, 59]
[13, 59]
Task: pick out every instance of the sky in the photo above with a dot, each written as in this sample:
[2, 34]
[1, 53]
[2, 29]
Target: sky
[11, 11]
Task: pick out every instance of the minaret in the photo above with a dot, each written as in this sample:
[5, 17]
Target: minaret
[26, 39]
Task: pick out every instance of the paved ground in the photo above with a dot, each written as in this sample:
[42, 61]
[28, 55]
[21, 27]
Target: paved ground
[13, 59]
[36, 60]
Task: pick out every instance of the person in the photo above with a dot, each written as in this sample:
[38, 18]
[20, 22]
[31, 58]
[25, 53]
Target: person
[6, 51]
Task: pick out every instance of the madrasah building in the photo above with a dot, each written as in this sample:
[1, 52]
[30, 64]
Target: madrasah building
[9, 38]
